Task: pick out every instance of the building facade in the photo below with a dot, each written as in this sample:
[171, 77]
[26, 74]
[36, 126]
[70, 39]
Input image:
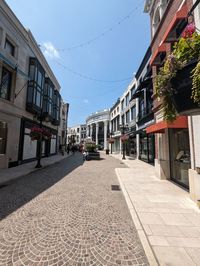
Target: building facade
[176, 143]
[115, 132]
[128, 119]
[29, 94]
[98, 127]
[144, 115]
[76, 134]
[194, 133]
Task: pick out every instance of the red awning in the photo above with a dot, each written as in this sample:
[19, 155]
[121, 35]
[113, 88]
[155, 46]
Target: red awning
[160, 49]
[180, 15]
[180, 122]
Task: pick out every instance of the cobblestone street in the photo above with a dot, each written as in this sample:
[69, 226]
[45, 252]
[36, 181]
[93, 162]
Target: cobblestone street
[67, 214]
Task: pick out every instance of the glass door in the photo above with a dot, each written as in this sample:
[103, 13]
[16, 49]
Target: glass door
[179, 156]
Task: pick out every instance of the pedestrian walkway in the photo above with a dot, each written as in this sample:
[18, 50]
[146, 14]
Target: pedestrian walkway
[167, 220]
[9, 174]
[71, 213]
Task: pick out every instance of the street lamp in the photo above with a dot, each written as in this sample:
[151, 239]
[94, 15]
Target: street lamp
[41, 117]
[123, 129]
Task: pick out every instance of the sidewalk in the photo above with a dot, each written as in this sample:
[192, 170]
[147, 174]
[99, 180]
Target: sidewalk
[168, 222]
[6, 175]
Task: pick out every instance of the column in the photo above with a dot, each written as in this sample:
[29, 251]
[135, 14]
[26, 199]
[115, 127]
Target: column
[97, 133]
[105, 134]
[88, 131]
[91, 130]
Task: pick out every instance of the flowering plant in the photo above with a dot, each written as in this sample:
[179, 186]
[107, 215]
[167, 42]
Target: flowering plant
[38, 133]
[185, 50]
[111, 140]
[124, 138]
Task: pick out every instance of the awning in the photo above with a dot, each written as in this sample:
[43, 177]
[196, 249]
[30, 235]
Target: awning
[178, 21]
[155, 60]
[180, 122]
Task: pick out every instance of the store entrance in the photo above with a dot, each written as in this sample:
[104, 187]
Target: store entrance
[179, 156]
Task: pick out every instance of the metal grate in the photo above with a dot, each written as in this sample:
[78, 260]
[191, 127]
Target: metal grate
[115, 187]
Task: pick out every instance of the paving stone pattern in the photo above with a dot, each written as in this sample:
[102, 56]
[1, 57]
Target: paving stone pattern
[67, 214]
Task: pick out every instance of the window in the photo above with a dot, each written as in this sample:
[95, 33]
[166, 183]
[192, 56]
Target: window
[48, 98]
[35, 86]
[127, 99]
[78, 130]
[9, 47]
[122, 105]
[3, 137]
[56, 107]
[133, 113]
[122, 119]
[156, 20]
[6, 81]
[127, 117]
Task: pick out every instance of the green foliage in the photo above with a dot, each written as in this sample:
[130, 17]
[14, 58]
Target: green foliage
[185, 50]
[196, 84]
[90, 147]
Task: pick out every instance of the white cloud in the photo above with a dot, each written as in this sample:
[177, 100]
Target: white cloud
[50, 51]
[86, 101]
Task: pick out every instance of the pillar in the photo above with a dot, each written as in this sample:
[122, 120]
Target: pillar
[105, 134]
[91, 130]
[97, 133]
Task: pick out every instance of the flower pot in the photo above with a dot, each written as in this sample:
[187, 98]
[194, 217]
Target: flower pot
[182, 91]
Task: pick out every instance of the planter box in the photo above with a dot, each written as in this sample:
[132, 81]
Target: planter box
[182, 91]
[93, 156]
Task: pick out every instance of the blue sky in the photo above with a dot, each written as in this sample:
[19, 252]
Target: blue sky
[62, 24]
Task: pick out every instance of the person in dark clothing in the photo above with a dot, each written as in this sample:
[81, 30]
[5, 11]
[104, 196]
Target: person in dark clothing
[68, 149]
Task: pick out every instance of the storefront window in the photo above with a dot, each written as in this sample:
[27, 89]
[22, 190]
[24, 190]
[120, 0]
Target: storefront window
[147, 147]
[179, 155]
[3, 137]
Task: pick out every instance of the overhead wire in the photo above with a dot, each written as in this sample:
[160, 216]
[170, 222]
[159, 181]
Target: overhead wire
[102, 34]
[90, 78]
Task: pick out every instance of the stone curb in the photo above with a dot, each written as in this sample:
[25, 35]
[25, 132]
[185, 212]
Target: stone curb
[141, 233]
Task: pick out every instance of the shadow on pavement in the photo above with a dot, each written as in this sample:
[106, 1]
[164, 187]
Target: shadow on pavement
[19, 192]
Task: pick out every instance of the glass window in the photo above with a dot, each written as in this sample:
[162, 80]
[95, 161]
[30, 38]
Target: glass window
[133, 113]
[127, 117]
[9, 47]
[3, 137]
[6, 81]
[180, 155]
[127, 99]
[35, 85]
[122, 105]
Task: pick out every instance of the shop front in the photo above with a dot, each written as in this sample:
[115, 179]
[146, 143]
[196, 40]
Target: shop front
[146, 147]
[179, 150]
[176, 139]
[28, 148]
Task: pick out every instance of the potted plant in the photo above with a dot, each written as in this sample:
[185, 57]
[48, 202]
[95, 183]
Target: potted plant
[177, 84]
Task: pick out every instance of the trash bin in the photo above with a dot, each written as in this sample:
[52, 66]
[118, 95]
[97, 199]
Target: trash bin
[107, 151]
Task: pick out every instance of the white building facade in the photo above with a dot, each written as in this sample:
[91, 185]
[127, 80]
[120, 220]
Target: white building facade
[98, 127]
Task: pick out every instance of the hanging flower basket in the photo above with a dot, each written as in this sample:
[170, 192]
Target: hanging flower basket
[177, 85]
[124, 138]
[111, 140]
[38, 133]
